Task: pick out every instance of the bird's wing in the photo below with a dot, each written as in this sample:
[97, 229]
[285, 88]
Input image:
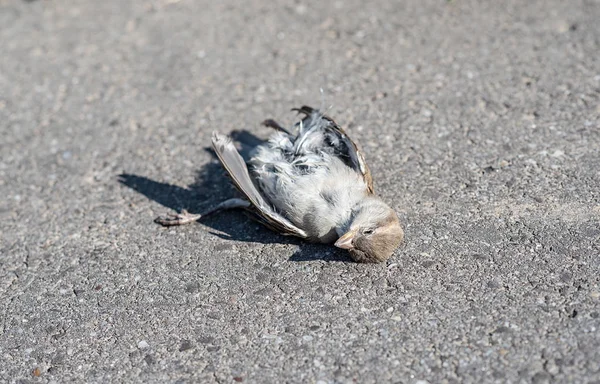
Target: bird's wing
[342, 145]
[238, 171]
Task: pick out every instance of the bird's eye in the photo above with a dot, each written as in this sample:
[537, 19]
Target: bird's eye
[368, 231]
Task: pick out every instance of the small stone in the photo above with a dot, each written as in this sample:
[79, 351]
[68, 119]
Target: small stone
[149, 359]
[185, 345]
[552, 368]
[540, 378]
[130, 26]
[143, 344]
[562, 26]
[307, 338]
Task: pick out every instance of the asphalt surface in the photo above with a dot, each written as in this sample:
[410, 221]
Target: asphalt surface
[481, 124]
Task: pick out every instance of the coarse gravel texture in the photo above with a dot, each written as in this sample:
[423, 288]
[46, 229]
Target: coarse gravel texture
[480, 121]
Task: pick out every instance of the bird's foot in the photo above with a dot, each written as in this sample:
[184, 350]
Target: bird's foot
[172, 219]
[275, 125]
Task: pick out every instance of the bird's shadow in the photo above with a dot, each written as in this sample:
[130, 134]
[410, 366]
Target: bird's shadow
[211, 186]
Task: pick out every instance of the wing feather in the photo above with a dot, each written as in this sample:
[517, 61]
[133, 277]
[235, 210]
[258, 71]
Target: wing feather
[349, 151]
[238, 171]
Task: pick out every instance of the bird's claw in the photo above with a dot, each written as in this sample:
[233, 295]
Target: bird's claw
[172, 219]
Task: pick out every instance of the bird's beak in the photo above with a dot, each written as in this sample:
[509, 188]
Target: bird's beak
[345, 242]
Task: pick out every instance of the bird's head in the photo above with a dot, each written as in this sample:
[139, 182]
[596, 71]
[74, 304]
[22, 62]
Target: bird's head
[374, 232]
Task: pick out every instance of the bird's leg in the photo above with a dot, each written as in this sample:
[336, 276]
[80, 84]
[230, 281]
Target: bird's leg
[275, 125]
[185, 217]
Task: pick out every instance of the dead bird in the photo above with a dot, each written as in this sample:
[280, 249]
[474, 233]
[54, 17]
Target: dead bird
[311, 182]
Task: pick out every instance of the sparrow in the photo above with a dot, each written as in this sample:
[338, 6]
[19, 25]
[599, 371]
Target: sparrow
[311, 182]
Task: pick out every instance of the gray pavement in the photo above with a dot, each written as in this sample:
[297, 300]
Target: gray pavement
[481, 123]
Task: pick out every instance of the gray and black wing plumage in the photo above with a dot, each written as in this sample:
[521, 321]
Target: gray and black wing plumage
[238, 171]
[341, 144]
